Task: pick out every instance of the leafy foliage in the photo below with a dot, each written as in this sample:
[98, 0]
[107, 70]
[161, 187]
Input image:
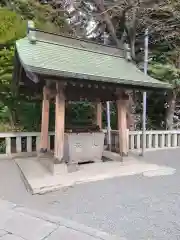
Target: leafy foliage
[6, 100]
[12, 26]
[16, 111]
[166, 72]
[44, 16]
[124, 21]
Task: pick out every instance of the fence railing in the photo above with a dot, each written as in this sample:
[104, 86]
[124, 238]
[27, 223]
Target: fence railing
[18, 143]
[154, 139]
[28, 142]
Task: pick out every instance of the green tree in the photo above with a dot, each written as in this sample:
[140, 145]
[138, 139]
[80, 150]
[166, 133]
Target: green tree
[12, 27]
[171, 74]
[6, 68]
[16, 110]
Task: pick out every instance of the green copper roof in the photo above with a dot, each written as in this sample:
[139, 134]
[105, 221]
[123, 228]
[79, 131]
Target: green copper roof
[60, 56]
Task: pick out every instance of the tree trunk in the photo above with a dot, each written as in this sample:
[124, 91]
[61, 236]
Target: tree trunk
[170, 110]
[11, 119]
[131, 112]
[107, 20]
[112, 32]
[132, 32]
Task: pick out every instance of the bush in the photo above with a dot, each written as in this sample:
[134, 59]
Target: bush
[12, 26]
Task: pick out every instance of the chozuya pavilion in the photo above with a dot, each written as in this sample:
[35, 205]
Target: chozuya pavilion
[69, 69]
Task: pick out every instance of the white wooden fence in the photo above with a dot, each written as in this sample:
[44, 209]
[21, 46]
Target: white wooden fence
[154, 140]
[19, 143]
[28, 142]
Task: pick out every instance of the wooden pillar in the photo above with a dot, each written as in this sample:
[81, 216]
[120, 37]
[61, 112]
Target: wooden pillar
[44, 121]
[99, 114]
[122, 126]
[59, 122]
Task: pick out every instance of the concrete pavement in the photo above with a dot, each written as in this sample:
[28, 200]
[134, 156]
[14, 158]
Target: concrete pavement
[39, 180]
[19, 223]
[137, 207]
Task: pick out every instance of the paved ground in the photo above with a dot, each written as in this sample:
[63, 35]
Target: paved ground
[39, 180]
[19, 223]
[135, 207]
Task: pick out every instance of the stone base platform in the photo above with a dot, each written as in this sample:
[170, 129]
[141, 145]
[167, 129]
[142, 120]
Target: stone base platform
[39, 180]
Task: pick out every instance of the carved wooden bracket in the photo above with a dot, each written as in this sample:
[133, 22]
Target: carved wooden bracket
[121, 94]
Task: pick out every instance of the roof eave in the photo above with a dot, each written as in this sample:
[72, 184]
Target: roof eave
[80, 76]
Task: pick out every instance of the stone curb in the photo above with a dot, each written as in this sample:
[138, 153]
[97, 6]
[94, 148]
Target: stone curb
[68, 224]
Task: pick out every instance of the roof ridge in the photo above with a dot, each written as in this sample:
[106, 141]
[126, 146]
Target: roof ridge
[77, 38]
[81, 49]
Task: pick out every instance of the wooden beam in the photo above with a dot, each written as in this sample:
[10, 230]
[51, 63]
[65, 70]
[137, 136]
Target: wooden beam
[44, 121]
[76, 93]
[59, 122]
[99, 114]
[122, 126]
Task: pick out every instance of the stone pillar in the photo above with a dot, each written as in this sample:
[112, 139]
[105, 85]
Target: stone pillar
[122, 125]
[99, 114]
[44, 122]
[59, 122]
